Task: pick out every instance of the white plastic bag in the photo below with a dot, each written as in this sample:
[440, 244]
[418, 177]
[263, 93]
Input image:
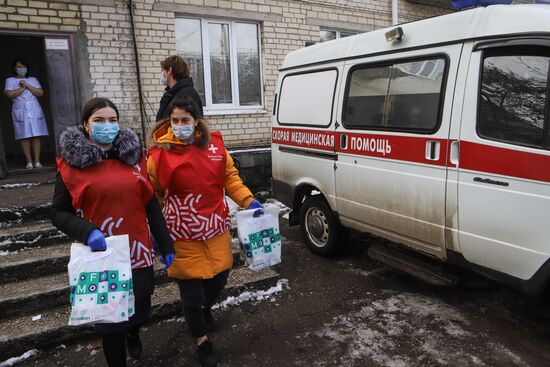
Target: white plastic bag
[260, 237]
[101, 285]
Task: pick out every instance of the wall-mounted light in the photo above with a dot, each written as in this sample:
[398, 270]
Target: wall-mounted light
[394, 35]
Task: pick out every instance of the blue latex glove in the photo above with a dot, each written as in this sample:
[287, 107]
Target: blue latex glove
[167, 259]
[255, 204]
[96, 240]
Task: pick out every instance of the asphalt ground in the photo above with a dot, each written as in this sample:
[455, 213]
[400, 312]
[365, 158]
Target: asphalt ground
[350, 311]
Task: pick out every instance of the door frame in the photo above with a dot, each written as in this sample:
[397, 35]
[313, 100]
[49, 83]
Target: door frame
[72, 47]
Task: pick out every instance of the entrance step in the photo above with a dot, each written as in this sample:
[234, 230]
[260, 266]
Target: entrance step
[414, 265]
[34, 262]
[27, 199]
[28, 178]
[19, 334]
[19, 214]
[28, 235]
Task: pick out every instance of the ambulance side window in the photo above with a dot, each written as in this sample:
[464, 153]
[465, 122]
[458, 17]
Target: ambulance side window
[404, 96]
[307, 98]
[513, 100]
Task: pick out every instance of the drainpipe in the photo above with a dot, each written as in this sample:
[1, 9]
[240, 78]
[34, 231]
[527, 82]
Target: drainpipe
[394, 12]
[138, 75]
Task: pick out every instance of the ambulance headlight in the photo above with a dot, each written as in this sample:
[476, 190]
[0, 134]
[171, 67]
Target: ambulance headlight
[394, 35]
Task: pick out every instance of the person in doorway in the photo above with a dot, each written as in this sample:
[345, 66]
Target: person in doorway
[191, 171]
[178, 82]
[102, 189]
[28, 118]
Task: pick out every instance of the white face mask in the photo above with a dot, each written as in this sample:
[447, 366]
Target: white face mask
[183, 132]
[21, 71]
[163, 80]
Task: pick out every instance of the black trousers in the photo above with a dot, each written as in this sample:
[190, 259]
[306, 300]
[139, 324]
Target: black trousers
[197, 294]
[113, 336]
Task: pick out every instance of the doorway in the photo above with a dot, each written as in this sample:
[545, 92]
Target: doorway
[30, 49]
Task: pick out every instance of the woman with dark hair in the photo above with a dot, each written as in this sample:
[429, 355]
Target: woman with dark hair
[176, 77]
[102, 189]
[191, 171]
[28, 118]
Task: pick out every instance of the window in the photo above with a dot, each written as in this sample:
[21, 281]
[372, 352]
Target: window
[307, 99]
[224, 59]
[513, 101]
[401, 96]
[332, 34]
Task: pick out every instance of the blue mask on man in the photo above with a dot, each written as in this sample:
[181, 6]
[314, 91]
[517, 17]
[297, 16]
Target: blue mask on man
[21, 71]
[105, 133]
[183, 132]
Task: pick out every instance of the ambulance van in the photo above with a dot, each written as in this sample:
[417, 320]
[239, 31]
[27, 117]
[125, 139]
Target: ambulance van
[433, 134]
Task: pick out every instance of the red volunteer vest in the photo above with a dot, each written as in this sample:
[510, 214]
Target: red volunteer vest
[113, 196]
[193, 181]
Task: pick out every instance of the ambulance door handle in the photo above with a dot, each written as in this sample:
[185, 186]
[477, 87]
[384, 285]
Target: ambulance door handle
[432, 150]
[455, 152]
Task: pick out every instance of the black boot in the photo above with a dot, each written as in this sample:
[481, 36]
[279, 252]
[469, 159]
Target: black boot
[207, 357]
[133, 342]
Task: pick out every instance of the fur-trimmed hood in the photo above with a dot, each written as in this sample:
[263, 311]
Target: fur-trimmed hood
[78, 151]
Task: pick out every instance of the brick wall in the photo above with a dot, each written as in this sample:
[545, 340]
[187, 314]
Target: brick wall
[105, 54]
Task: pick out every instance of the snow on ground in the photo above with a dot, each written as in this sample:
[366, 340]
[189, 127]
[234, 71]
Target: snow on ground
[13, 361]
[410, 330]
[19, 185]
[248, 296]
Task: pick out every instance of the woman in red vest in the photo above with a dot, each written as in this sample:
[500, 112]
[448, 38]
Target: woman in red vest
[102, 189]
[191, 172]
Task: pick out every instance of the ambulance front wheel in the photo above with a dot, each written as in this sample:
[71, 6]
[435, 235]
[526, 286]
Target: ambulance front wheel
[319, 226]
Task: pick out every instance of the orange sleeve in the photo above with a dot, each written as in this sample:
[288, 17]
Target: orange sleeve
[234, 186]
[152, 172]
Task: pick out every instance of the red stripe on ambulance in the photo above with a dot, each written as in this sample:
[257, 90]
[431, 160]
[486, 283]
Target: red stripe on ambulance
[502, 161]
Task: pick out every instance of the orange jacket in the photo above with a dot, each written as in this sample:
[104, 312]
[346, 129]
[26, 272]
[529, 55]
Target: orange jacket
[200, 259]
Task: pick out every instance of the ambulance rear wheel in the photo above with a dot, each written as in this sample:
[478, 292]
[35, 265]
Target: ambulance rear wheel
[319, 226]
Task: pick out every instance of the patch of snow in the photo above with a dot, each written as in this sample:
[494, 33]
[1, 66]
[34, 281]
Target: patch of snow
[384, 331]
[4, 253]
[79, 347]
[36, 318]
[93, 352]
[253, 296]
[173, 319]
[21, 358]
[19, 185]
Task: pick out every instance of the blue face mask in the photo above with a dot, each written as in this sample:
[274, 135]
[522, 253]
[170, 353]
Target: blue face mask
[21, 71]
[183, 132]
[105, 133]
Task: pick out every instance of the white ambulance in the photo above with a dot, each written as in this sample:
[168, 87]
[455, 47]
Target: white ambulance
[433, 134]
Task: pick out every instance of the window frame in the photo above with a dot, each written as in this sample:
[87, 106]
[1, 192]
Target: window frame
[332, 102]
[367, 65]
[234, 107]
[490, 47]
[338, 33]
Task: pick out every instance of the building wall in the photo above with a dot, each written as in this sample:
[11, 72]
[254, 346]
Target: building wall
[105, 54]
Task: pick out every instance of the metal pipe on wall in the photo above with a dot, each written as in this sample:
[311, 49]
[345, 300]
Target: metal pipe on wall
[394, 12]
[138, 75]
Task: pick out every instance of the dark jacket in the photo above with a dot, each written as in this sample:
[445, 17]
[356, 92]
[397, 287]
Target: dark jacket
[78, 151]
[182, 88]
